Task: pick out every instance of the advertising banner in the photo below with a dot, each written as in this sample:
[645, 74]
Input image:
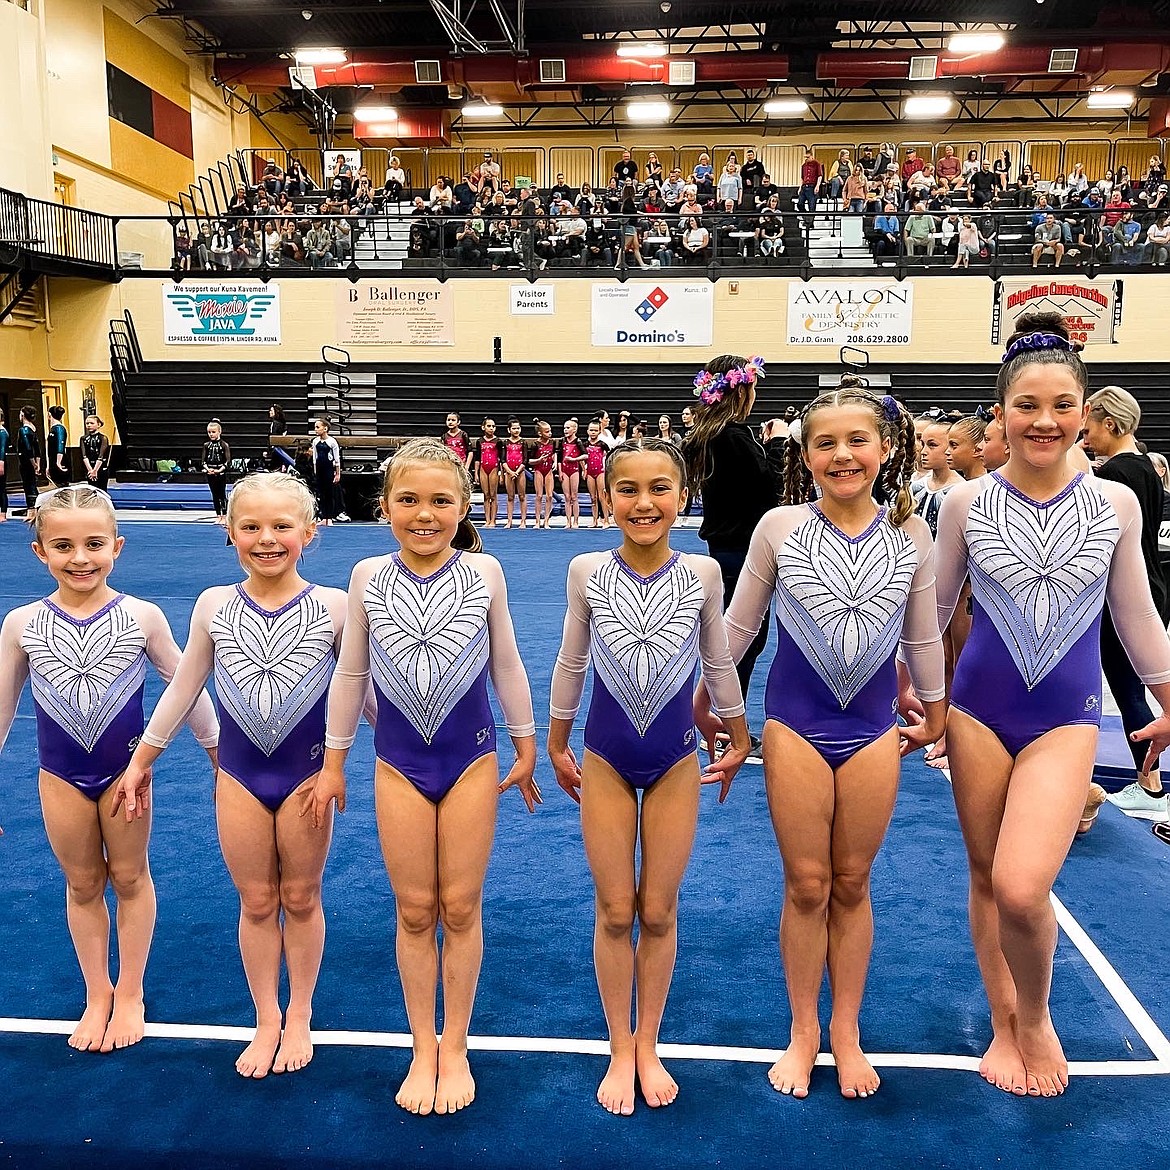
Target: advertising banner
[1091, 308]
[635, 315]
[395, 312]
[534, 300]
[850, 312]
[235, 314]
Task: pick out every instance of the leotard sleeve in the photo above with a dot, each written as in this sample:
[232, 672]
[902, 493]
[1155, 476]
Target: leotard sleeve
[921, 642]
[351, 678]
[714, 652]
[337, 603]
[950, 549]
[757, 581]
[568, 680]
[1128, 592]
[169, 661]
[507, 670]
[13, 666]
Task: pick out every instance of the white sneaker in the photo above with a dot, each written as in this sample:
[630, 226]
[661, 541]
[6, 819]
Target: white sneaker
[342, 518]
[1135, 801]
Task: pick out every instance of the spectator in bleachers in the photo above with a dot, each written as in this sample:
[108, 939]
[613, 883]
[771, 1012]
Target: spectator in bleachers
[341, 177]
[489, 174]
[220, 247]
[1105, 184]
[653, 169]
[182, 260]
[571, 228]
[919, 231]
[1002, 169]
[691, 209]
[319, 245]
[672, 190]
[839, 172]
[394, 185]
[696, 242]
[661, 240]
[469, 250]
[1049, 240]
[240, 204]
[1154, 174]
[728, 245]
[1127, 244]
[342, 240]
[920, 185]
[770, 229]
[1058, 191]
[911, 165]
[292, 246]
[296, 183]
[887, 232]
[585, 200]
[970, 166]
[284, 210]
[1078, 182]
[441, 197]
[855, 191]
[201, 247]
[752, 174]
[625, 170]
[704, 185]
[811, 176]
[1123, 183]
[652, 201]
[703, 168]
[1115, 208]
[499, 244]
[1041, 211]
[949, 168]
[272, 180]
[984, 184]
[597, 249]
[885, 161]
[560, 191]
[969, 243]
[271, 244]
[730, 184]
[867, 162]
[611, 197]
[765, 191]
[245, 245]
[1157, 250]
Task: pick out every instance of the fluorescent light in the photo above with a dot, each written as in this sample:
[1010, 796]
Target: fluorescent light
[482, 110]
[786, 106]
[1110, 99]
[926, 106]
[976, 42]
[652, 111]
[321, 56]
[375, 114]
[641, 49]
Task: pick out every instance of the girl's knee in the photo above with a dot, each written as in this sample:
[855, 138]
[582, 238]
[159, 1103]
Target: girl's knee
[616, 915]
[260, 902]
[86, 885]
[657, 916]
[808, 893]
[1022, 904]
[129, 878]
[850, 889]
[417, 916]
[300, 898]
[459, 913]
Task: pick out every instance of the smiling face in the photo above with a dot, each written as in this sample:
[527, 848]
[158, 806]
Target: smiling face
[843, 451]
[79, 547]
[269, 533]
[1042, 414]
[424, 504]
[646, 494]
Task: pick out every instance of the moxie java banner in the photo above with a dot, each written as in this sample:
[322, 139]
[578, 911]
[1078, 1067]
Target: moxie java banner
[1091, 308]
[850, 312]
[225, 314]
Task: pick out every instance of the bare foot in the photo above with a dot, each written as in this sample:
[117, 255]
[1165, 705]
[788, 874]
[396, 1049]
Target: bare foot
[456, 1087]
[1093, 803]
[296, 1045]
[658, 1086]
[616, 1091]
[1044, 1061]
[793, 1071]
[856, 1076]
[128, 1023]
[91, 1028]
[1003, 1066]
[256, 1060]
[416, 1094]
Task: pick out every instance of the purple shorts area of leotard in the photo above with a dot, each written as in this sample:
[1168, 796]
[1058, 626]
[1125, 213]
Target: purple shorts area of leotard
[797, 696]
[640, 760]
[988, 686]
[467, 732]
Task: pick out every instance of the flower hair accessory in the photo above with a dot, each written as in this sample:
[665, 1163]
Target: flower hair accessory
[709, 387]
[1035, 341]
[890, 407]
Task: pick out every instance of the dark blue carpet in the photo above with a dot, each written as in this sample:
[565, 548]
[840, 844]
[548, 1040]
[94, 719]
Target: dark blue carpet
[179, 1102]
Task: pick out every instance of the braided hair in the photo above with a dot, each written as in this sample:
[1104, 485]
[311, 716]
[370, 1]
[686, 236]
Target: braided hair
[893, 424]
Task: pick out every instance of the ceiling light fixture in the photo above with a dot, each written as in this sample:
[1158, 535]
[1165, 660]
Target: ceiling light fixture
[321, 56]
[648, 111]
[1110, 99]
[976, 42]
[927, 106]
[784, 106]
[641, 49]
[375, 114]
[482, 110]
[379, 131]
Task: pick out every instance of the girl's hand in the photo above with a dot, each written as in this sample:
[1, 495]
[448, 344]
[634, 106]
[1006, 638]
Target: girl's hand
[1158, 733]
[132, 788]
[328, 787]
[521, 777]
[918, 732]
[722, 771]
[567, 770]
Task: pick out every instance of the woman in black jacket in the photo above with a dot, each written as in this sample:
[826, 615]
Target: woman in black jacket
[739, 478]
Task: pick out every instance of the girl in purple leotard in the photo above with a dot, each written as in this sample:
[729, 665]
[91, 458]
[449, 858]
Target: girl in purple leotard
[1043, 545]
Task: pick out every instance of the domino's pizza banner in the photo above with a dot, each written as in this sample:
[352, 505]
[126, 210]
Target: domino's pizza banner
[234, 314]
[630, 316]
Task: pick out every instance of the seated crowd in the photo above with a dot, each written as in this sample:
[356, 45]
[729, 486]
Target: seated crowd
[649, 216]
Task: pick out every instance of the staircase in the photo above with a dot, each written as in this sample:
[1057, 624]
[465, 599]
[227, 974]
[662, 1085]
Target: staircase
[837, 241]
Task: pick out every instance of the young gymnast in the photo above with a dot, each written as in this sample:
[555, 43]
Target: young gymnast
[1044, 545]
[570, 457]
[645, 615]
[5, 447]
[28, 453]
[852, 581]
[543, 462]
[486, 459]
[455, 438]
[85, 648]
[595, 454]
[515, 471]
[965, 447]
[995, 452]
[95, 453]
[326, 471]
[930, 490]
[428, 623]
[56, 443]
[216, 457]
[271, 641]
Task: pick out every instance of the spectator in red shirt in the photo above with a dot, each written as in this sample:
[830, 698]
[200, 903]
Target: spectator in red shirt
[812, 174]
[949, 166]
[911, 166]
[1114, 209]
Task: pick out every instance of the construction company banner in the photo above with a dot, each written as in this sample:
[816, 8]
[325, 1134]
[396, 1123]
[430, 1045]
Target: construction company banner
[395, 312]
[534, 300]
[850, 312]
[653, 314]
[1091, 308]
[235, 314]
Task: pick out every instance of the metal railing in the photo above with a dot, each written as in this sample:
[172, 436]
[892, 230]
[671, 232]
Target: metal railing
[38, 227]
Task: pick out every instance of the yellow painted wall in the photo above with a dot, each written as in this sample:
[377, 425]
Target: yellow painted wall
[952, 323]
[24, 162]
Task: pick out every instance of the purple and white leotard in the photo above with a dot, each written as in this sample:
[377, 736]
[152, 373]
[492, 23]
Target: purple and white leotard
[645, 636]
[1040, 574]
[844, 604]
[429, 644]
[88, 678]
[272, 671]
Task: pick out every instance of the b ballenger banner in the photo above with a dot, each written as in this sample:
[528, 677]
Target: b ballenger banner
[223, 314]
[670, 314]
[395, 312]
[1091, 308]
[850, 312]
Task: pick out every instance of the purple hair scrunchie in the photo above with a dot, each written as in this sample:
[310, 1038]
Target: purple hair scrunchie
[1036, 341]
